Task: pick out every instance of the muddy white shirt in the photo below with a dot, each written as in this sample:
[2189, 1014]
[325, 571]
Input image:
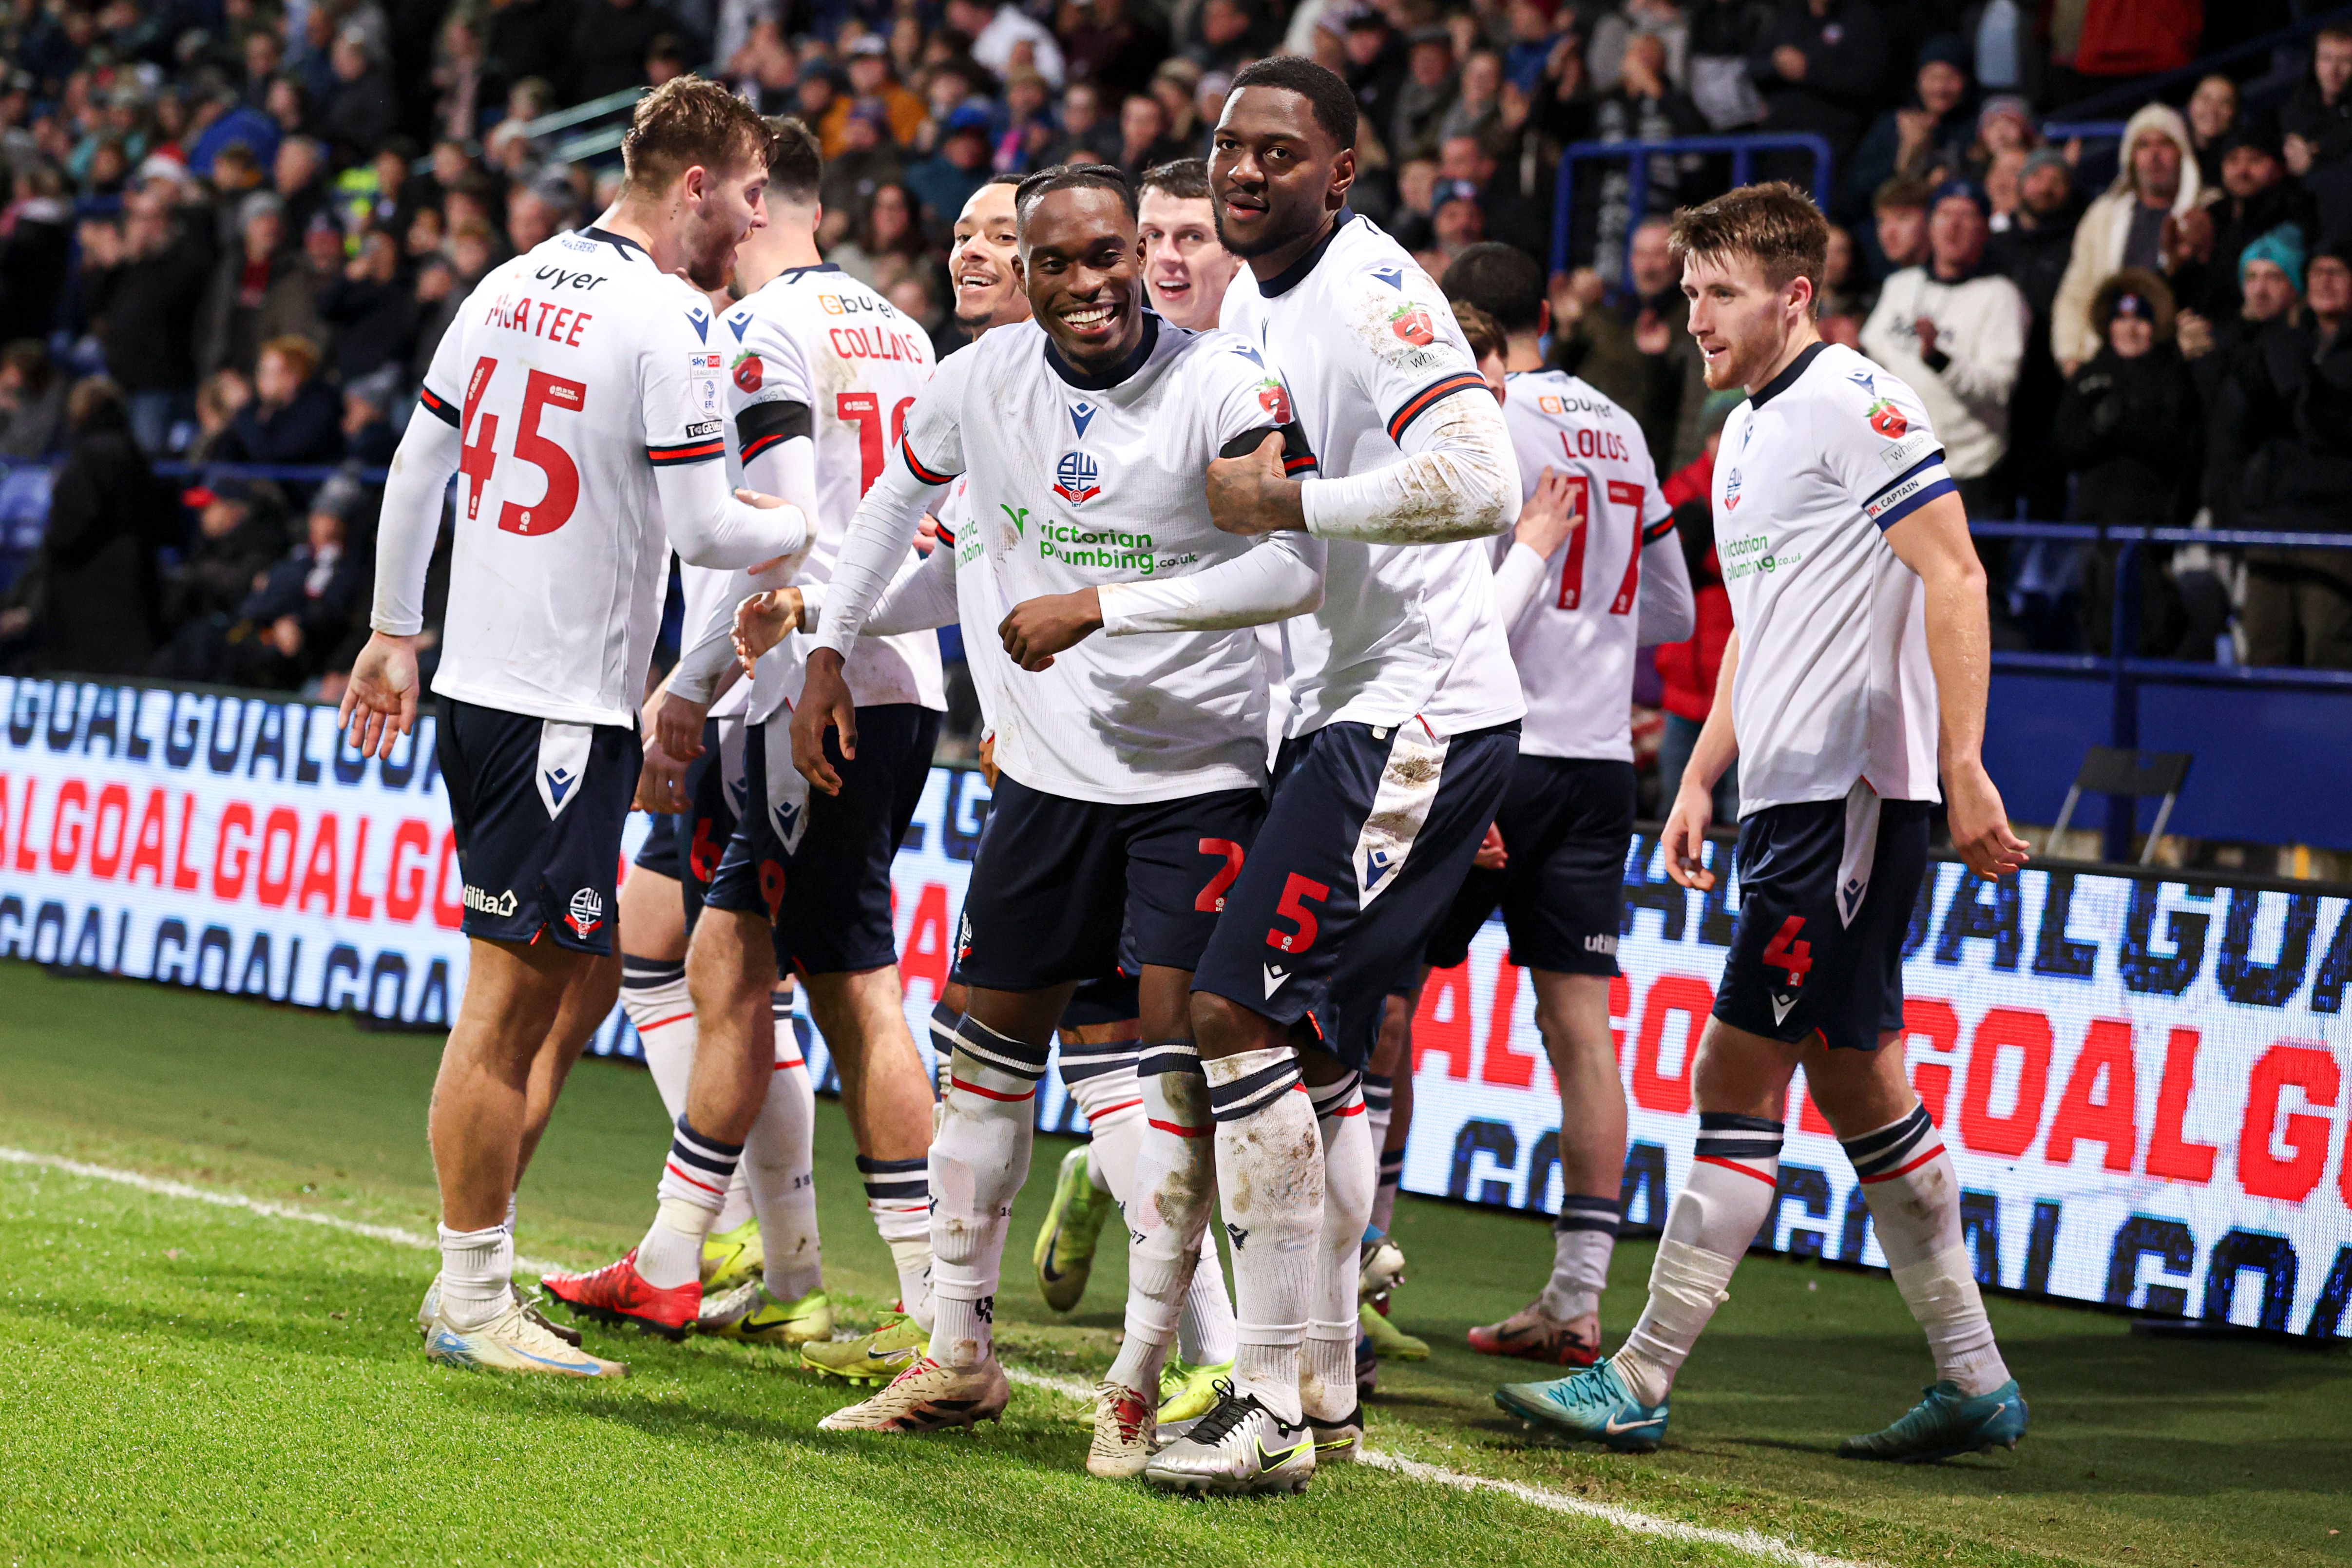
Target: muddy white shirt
[1077, 481]
[1374, 361]
[1833, 682]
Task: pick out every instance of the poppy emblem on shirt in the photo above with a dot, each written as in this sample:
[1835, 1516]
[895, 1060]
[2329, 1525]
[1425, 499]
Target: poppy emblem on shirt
[748, 373]
[1731, 491]
[1412, 324]
[1075, 476]
[1887, 420]
[1275, 400]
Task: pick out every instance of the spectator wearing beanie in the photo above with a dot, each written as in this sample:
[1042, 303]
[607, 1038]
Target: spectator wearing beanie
[1926, 139]
[2270, 289]
[2128, 430]
[2256, 196]
[2157, 182]
[1955, 330]
[2289, 420]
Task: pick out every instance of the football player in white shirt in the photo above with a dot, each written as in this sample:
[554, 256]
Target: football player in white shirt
[1186, 268]
[802, 326]
[1404, 725]
[1132, 767]
[1856, 669]
[577, 398]
[1593, 573]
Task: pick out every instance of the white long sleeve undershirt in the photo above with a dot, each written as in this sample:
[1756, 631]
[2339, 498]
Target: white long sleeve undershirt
[1458, 479]
[788, 471]
[410, 521]
[873, 554]
[1280, 578]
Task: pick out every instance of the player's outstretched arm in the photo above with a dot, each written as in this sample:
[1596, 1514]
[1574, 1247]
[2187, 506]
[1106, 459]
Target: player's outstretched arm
[1547, 517]
[1683, 842]
[711, 526]
[1934, 542]
[1280, 578]
[380, 704]
[1458, 479]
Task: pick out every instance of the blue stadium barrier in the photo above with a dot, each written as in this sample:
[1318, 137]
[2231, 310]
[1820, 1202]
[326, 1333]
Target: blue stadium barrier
[1742, 149]
[2241, 721]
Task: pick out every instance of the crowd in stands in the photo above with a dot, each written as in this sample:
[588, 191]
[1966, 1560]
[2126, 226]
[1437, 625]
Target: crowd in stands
[235, 229]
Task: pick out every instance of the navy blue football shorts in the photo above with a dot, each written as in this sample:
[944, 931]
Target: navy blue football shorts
[538, 807]
[817, 865]
[1362, 853]
[1566, 824]
[1825, 894]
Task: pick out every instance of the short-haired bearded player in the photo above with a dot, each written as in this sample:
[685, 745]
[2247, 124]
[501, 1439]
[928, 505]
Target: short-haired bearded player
[801, 887]
[1856, 669]
[1132, 768]
[576, 401]
[1403, 728]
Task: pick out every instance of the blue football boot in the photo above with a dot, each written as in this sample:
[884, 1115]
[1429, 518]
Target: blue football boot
[1945, 1424]
[1589, 1406]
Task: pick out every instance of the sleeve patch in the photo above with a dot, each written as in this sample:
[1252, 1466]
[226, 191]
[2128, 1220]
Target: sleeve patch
[1905, 453]
[1428, 397]
[1658, 530]
[1906, 495]
[437, 405]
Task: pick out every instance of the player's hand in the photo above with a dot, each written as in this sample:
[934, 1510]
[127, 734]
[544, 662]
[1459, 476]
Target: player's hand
[1685, 840]
[1549, 515]
[1039, 628]
[763, 620]
[661, 782]
[765, 503]
[1980, 823]
[988, 758]
[926, 535]
[678, 728]
[1491, 855]
[824, 705]
[379, 706]
[1249, 495]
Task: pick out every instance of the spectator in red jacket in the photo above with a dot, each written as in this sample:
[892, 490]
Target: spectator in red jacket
[1688, 669]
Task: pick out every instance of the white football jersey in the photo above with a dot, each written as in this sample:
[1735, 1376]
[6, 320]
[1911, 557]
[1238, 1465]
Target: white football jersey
[817, 353]
[1833, 682]
[1368, 345]
[1575, 645]
[704, 588]
[1078, 480]
[570, 372]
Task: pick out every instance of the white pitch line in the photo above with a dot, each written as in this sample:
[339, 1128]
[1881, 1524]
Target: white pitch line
[1753, 1543]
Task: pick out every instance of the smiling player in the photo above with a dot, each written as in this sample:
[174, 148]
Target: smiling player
[1186, 265]
[1132, 767]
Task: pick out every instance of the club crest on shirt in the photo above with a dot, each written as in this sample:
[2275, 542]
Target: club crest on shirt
[1075, 478]
[1412, 323]
[749, 372]
[1731, 491]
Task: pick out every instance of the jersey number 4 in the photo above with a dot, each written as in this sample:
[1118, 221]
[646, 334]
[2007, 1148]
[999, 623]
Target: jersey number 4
[479, 458]
[864, 409]
[1571, 576]
[1786, 953]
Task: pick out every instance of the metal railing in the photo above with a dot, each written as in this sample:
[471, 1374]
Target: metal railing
[2124, 671]
[1742, 149]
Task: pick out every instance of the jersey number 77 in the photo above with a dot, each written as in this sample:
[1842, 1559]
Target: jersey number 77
[479, 458]
[1571, 574]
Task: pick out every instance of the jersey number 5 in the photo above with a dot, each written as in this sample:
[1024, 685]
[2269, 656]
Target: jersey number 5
[1571, 576]
[864, 409]
[479, 458]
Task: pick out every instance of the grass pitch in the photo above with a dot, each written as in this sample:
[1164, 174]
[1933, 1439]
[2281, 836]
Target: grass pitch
[189, 1382]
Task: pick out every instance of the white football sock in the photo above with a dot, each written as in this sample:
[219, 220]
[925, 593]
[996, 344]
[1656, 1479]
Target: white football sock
[1914, 1196]
[694, 1185]
[1270, 1173]
[476, 1267]
[1174, 1185]
[653, 996]
[1714, 1219]
[1582, 1238]
[978, 1163]
[1204, 1332]
[777, 1160]
[899, 1196]
[1102, 1079]
[1327, 1389]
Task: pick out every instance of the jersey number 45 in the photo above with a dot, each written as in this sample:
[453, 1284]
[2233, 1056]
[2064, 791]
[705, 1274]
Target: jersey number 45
[479, 458]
